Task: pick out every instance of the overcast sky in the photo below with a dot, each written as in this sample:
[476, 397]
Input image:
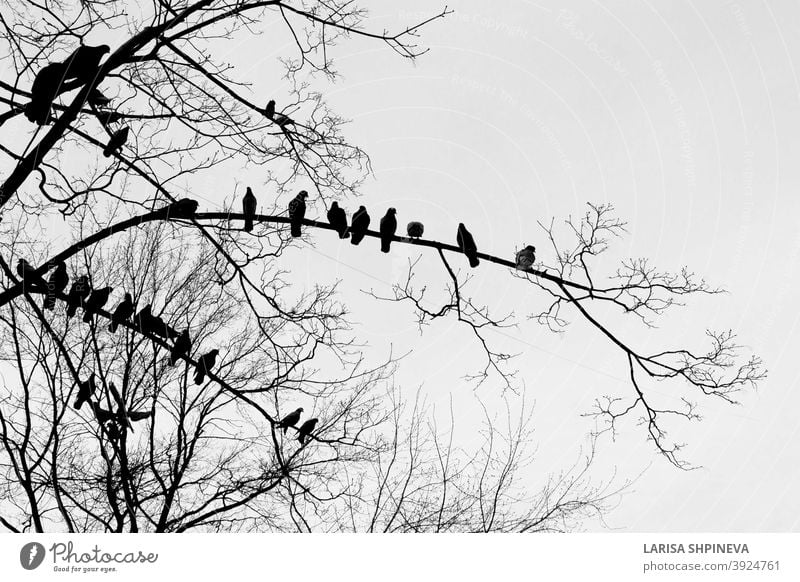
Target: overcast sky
[685, 117]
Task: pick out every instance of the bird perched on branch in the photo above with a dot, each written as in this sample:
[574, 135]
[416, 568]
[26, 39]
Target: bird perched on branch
[28, 275]
[467, 245]
[103, 415]
[290, 419]
[204, 365]
[85, 392]
[183, 208]
[181, 348]
[137, 415]
[415, 229]
[249, 206]
[388, 227]
[526, 257]
[44, 90]
[359, 225]
[269, 111]
[56, 284]
[96, 300]
[117, 140]
[77, 294]
[123, 311]
[144, 319]
[84, 62]
[97, 98]
[306, 429]
[297, 212]
[338, 219]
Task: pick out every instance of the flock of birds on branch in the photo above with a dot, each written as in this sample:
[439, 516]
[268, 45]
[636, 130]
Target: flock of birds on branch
[81, 67]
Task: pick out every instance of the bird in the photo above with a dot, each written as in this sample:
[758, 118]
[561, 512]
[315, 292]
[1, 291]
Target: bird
[77, 294]
[137, 415]
[56, 284]
[270, 109]
[143, 320]
[159, 327]
[96, 301]
[84, 62]
[183, 208]
[388, 227]
[28, 275]
[181, 348]
[290, 419]
[415, 229]
[123, 311]
[359, 225]
[297, 211]
[44, 90]
[282, 120]
[103, 415]
[204, 365]
[97, 98]
[118, 139]
[467, 245]
[338, 219]
[305, 429]
[526, 257]
[249, 206]
[85, 392]
[113, 431]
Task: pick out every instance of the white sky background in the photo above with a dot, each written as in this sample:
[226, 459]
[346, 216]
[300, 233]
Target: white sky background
[685, 117]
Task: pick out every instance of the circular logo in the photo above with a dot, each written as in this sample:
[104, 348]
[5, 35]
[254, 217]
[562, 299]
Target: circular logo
[31, 555]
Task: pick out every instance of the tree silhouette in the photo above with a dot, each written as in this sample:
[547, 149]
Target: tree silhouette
[213, 455]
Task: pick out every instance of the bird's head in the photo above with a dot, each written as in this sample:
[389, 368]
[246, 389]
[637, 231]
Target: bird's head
[303, 194]
[249, 191]
[103, 49]
[214, 352]
[362, 207]
[334, 205]
[391, 211]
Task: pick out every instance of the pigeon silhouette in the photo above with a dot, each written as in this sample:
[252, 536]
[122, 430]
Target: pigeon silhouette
[56, 285]
[388, 227]
[123, 311]
[204, 365]
[46, 86]
[183, 208]
[526, 257]
[297, 212]
[28, 275]
[118, 139]
[338, 219]
[103, 415]
[77, 294]
[137, 415]
[96, 301]
[415, 229]
[249, 205]
[467, 245]
[144, 319]
[84, 62]
[85, 392]
[290, 419]
[270, 109]
[305, 429]
[181, 348]
[359, 225]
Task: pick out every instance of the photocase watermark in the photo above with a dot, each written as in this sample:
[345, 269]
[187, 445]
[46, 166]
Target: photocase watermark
[487, 22]
[66, 558]
[31, 555]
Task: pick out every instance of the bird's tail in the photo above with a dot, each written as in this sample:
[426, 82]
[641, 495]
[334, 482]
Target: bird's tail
[87, 316]
[248, 224]
[113, 326]
[356, 238]
[296, 229]
[385, 244]
[199, 377]
[344, 233]
[473, 261]
[78, 403]
[71, 309]
[285, 428]
[50, 302]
